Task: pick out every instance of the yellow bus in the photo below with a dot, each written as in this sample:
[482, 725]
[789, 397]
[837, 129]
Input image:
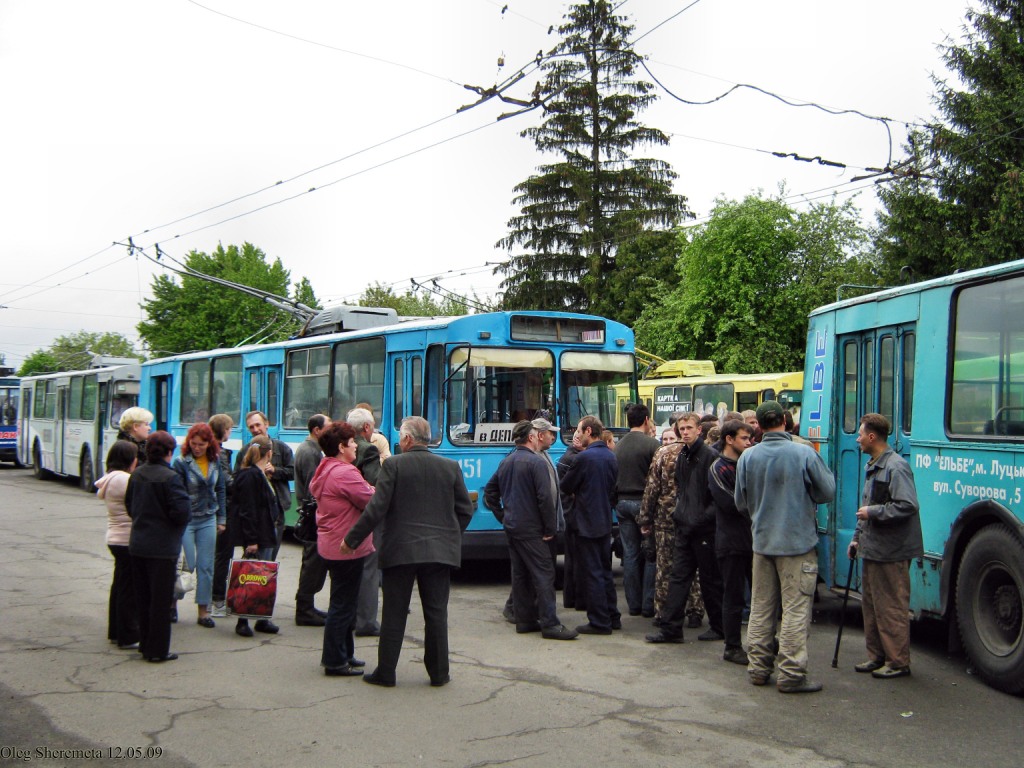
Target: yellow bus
[720, 393]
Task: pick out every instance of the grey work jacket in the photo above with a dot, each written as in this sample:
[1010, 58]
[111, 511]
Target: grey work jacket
[892, 531]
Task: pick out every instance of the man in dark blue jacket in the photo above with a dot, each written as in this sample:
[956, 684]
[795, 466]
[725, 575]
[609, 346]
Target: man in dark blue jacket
[592, 479]
[521, 496]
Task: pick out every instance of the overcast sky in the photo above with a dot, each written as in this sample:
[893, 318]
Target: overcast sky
[125, 118]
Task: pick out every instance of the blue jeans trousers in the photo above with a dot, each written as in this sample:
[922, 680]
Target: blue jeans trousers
[637, 573]
[199, 542]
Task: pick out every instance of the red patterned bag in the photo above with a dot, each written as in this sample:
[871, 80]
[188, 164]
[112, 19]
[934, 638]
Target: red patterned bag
[252, 588]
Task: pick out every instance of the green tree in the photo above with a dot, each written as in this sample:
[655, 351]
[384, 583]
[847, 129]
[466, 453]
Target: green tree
[747, 280]
[577, 212]
[412, 304]
[961, 202]
[75, 351]
[194, 314]
[38, 362]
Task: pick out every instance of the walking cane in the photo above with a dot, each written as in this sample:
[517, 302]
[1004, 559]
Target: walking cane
[842, 616]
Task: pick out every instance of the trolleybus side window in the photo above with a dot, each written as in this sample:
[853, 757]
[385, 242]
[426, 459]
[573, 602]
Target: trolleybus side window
[195, 392]
[907, 384]
[227, 387]
[397, 382]
[850, 387]
[708, 397]
[887, 376]
[306, 385]
[987, 392]
[75, 404]
[358, 375]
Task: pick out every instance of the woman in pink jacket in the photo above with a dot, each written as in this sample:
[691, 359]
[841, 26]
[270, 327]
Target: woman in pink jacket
[122, 618]
[341, 494]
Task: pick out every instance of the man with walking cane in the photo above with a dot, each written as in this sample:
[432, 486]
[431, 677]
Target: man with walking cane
[887, 538]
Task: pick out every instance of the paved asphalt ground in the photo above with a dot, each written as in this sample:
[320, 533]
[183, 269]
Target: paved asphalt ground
[518, 700]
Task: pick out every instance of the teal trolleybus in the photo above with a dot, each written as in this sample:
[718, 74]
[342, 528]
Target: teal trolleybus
[943, 360]
[471, 377]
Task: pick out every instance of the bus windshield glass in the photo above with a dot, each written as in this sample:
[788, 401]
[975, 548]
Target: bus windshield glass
[9, 404]
[589, 381]
[491, 389]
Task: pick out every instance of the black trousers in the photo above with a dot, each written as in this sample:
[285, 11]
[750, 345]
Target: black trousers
[312, 577]
[154, 594]
[595, 563]
[221, 562]
[122, 615]
[574, 577]
[533, 582]
[737, 575]
[692, 550]
[434, 583]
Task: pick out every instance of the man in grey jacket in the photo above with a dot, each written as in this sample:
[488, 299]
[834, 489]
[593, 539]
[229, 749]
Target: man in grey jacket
[313, 569]
[424, 505]
[781, 482]
[888, 537]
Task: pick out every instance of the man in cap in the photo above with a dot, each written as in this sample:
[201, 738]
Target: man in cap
[522, 498]
[781, 483]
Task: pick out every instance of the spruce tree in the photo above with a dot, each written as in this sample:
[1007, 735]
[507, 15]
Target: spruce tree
[967, 209]
[577, 211]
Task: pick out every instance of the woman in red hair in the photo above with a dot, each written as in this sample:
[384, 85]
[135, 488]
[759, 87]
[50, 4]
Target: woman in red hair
[204, 478]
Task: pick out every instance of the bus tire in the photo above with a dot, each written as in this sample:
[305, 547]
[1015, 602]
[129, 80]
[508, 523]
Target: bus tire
[989, 607]
[86, 476]
[37, 464]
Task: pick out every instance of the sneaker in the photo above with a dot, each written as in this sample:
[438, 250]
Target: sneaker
[558, 632]
[711, 634]
[800, 685]
[219, 610]
[889, 673]
[736, 656]
[663, 637]
[869, 666]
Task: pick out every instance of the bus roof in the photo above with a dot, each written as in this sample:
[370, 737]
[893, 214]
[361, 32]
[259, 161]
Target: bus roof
[410, 324]
[937, 282]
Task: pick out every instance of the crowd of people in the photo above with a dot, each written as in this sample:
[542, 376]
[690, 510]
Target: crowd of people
[719, 515]
[716, 516]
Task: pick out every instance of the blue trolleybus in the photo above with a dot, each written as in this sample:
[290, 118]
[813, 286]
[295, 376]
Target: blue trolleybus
[471, 377]
[943, 360]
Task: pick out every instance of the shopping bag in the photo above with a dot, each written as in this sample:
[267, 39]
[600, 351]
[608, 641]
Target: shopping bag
[186, 580]
[252, 588]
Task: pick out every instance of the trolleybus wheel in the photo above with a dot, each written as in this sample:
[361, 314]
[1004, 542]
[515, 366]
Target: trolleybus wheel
[86, 476]
[990, 607]
[37, 464]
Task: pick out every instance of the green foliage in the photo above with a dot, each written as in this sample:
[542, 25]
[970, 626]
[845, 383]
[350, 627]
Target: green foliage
[39, 361]
[412, 304]
[75, 351]
[194, 314]
[962, 204]
[576, 213]
[747, 280]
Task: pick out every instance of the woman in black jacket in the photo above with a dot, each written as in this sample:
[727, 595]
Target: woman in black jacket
[159, 507]
[253, 511]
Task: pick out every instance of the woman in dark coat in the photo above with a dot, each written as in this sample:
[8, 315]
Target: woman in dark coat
[159, 507]
[253, 511]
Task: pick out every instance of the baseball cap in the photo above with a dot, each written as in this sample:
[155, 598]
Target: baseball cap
[768, 407]
[543, 425]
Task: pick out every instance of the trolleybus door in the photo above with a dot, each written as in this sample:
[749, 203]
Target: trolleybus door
[876, 374]
[406, 390]
[59, 428]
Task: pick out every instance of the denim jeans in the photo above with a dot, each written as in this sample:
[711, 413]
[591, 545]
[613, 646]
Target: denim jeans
[637, 573]
[199, 543]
